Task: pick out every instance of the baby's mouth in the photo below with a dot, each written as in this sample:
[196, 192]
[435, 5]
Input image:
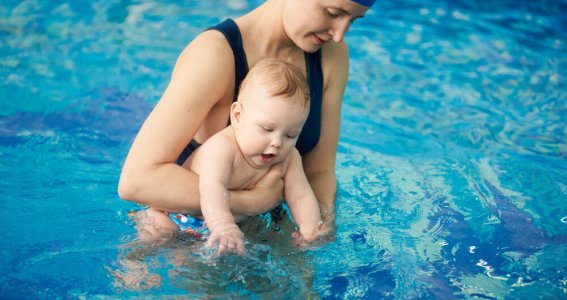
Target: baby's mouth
[268, 156]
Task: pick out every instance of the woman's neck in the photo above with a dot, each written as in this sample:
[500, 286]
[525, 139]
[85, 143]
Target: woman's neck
[264, 36]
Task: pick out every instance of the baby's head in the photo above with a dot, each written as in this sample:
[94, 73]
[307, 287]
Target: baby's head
[272, 107]
[279, 79]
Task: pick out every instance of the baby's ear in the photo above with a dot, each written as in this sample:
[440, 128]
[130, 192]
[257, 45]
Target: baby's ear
[235, 112]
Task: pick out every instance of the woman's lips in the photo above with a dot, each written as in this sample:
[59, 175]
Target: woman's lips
[318, 40]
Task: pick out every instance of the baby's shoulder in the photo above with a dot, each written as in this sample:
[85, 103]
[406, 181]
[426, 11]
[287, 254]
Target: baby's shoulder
[219, 148]
[222, 140]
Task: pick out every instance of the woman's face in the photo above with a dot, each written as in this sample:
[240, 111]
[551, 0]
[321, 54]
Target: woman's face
[312, 23]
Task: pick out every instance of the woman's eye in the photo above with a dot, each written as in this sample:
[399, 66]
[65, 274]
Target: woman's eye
[332, 13]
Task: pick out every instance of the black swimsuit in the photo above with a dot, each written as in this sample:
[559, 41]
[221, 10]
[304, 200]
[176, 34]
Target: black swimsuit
[309, 136]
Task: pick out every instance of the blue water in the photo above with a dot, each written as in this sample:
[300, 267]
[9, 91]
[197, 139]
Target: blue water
[452, 161]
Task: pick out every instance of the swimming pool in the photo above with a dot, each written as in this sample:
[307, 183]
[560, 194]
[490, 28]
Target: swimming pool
[451, 165]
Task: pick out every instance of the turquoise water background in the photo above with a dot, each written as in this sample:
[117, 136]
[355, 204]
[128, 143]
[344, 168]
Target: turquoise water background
[452, 161]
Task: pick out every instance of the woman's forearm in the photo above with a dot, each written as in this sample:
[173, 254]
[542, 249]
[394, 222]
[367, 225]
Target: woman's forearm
[248, 203]
[324, 186]
[165, 187]
[173, 188]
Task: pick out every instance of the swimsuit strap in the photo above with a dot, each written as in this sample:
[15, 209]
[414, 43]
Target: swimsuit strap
[232, 34]
[311, 132]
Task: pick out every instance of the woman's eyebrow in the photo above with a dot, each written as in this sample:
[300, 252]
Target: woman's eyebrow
[347, 12]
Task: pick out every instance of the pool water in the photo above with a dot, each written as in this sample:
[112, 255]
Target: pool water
[452, 163]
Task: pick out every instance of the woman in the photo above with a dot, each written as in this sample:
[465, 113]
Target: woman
[204, 83]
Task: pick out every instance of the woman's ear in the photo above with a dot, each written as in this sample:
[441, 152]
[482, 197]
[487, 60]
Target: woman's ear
[235, 113]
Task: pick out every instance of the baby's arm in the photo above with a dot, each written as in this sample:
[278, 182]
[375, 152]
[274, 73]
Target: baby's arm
[301, 199]
[216, 165]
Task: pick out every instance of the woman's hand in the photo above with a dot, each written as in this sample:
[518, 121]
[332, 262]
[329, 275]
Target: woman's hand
[304, 237]
[263, 197]
[328, 216]
[268, 191]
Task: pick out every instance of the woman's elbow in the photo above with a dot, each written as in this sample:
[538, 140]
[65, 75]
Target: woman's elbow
[128, 186]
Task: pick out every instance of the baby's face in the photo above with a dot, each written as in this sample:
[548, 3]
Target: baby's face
[268, 127]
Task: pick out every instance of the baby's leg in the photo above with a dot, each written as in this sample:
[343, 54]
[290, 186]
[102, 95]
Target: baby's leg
[153, 224]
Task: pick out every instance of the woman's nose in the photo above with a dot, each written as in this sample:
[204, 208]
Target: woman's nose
[340, 29]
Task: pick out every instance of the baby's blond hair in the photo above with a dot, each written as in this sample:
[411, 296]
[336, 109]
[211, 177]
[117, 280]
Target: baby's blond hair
[281, 79]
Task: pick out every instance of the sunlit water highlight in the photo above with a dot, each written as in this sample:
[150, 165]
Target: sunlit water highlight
[451, 164]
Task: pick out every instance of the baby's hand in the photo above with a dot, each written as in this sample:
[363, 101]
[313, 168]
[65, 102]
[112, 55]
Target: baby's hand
[229, 238]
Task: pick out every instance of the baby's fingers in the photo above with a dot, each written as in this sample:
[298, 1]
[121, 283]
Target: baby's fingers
[222, 248]
[231, 246]
[212, 240]
[240, 246]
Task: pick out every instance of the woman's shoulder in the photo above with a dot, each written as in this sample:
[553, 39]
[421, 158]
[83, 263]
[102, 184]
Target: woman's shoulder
[206, 64]
[209, 44]
[209, 51]
[335, 63]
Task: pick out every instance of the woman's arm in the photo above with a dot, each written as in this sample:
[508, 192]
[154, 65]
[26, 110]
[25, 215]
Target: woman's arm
[319, 163]
[265, 196]
[203, 77]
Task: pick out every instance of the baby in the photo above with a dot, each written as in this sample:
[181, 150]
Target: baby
[265, 124]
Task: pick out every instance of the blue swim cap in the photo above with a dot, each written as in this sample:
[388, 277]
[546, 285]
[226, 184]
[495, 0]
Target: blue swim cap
[367, 3]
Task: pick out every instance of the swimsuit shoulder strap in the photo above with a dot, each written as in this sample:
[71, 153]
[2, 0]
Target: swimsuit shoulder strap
[311, 132]
[314, 74]
[232, 34]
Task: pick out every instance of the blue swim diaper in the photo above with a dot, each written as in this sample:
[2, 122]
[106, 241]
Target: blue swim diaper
[190, 225]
